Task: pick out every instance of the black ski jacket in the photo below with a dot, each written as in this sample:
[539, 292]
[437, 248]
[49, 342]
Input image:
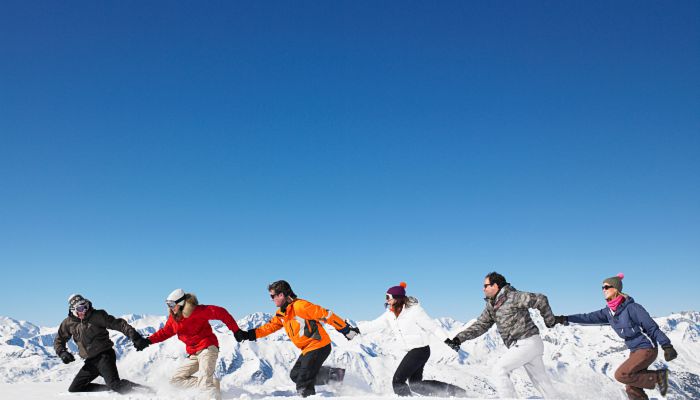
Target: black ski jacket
[90, 334]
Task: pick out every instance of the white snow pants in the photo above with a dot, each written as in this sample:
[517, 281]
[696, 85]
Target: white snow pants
[205, 362]
[525, 353]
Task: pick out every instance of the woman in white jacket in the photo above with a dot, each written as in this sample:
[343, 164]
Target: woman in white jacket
[413, 328]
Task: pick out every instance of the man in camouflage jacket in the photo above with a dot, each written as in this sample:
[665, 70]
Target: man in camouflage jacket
[509, 309]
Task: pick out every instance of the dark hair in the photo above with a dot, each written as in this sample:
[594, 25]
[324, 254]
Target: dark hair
[282, 287]
[403, 302]
[498, 279]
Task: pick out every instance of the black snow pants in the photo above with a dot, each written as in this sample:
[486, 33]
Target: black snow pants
[411, 369]
[104, 365]
[306, 368]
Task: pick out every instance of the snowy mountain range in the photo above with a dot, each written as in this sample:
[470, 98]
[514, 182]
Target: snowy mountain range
[581, 360]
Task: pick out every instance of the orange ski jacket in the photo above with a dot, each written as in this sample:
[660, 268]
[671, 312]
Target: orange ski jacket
[301, 320]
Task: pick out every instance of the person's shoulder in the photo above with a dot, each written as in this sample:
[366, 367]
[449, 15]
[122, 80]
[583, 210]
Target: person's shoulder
[98, 312]
[301, 303]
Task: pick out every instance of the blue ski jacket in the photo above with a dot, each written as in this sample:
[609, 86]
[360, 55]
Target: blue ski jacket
[631, 322]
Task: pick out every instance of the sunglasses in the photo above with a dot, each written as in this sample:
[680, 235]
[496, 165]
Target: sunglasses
[606, 287]
[488, 284]
[272, 296]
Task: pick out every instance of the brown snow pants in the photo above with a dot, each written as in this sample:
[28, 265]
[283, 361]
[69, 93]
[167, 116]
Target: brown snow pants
[635, 375]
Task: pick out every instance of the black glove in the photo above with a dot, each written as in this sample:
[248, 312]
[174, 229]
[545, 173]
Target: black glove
[251, 335]
[349, 331]
[561, 319]
[454, 343]
[240, 335]
[141, 342]
[669, 352]
[66, 357]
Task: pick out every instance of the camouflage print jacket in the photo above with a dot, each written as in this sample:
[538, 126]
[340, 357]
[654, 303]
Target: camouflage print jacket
[510, 312]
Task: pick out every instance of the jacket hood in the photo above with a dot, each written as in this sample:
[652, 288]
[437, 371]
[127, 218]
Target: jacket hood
[191, 303]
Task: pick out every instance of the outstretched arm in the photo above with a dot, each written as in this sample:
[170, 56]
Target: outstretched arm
[164, 333]
[375, 325]
[594, 318]
[478, 328]
[221, 314]
[540, 302]
[272, 326]
[118, 324]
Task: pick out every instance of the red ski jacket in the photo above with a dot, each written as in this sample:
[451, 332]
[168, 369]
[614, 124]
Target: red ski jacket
[193, 328]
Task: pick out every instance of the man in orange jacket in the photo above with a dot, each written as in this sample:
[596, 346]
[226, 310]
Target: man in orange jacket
[301, 320]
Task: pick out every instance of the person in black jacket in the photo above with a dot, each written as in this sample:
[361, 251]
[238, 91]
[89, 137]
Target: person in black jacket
[88, 328]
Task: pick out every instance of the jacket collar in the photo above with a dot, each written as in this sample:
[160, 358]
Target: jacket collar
[188, 309]
[501, 293]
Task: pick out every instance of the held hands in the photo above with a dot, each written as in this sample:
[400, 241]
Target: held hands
[349, 331]
[251, 335]
[454, 343]
[240, 335]
[669, 352]
[66, 357]
[141, 343]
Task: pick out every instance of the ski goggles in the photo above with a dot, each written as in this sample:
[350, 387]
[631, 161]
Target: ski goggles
[171, 304]
[389, 297]
[80, 308]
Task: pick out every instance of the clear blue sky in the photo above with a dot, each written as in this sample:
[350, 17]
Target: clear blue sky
[346, 146]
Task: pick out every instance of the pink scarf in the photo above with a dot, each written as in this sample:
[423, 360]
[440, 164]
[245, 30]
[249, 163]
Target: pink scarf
[615, 303]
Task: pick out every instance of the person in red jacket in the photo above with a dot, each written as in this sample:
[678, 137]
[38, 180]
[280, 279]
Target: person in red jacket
[190, 322]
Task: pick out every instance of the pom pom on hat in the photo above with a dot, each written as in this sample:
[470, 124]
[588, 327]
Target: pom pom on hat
[615, 281]
[403, 285]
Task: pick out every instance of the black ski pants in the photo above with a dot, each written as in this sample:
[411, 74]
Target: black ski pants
[104, 365]
[306, 368]
[411, 369]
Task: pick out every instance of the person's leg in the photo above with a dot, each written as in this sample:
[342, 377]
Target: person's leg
[634, 374]
[304, 374]
[538, 374]
[184, 374]
[410, 367]
[294, 373]
[106, 363]
[207, 364]
[430, 387]
[81, 382]
[518, 355]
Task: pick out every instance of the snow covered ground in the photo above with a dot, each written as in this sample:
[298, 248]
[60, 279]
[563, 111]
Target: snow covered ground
[580, 360]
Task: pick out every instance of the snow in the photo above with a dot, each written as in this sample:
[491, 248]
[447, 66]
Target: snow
[580, 360]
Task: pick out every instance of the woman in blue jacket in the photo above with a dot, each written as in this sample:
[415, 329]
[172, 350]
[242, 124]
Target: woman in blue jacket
[641, 334]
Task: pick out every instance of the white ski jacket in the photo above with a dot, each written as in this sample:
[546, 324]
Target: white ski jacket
[412, 327]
